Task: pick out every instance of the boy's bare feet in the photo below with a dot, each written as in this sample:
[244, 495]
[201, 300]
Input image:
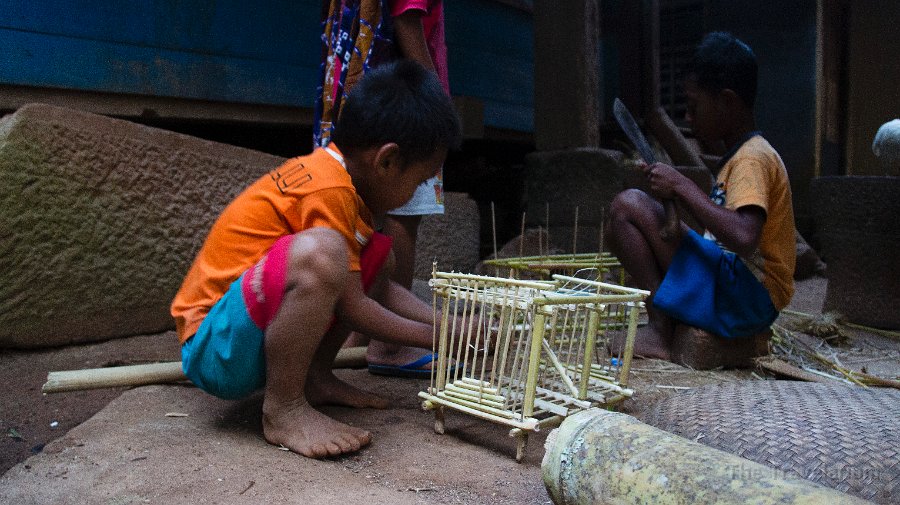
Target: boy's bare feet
[306, 431]
[326, 389]
[650, 344]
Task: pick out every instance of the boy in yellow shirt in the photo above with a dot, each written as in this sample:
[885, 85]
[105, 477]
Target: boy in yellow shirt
[733, 280]
[292, 265]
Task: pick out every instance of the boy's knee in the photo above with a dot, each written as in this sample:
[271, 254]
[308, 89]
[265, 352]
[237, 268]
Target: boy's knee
[629, 203]
[319, 256]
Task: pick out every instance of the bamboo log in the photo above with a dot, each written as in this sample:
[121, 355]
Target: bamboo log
[597, 456]
[154, 373]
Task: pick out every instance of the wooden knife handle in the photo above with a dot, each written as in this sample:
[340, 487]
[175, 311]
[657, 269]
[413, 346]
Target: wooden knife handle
[671, 227]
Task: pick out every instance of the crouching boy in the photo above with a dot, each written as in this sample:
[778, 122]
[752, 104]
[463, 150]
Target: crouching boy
[292, 265]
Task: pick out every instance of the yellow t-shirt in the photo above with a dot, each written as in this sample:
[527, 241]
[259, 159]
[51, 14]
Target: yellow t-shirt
[755, 175]
[305, 192]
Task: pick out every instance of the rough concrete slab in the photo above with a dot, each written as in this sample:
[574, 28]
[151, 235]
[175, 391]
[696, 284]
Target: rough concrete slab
[451, 239]
[584, 178]
[131, 452]
[101, 219]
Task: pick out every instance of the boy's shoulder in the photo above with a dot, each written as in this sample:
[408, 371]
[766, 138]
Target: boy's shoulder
[756, 151]
[306, 174]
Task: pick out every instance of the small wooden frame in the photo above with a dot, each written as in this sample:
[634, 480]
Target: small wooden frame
[528, 353]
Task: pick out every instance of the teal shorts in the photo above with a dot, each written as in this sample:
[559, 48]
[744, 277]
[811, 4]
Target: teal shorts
[226, 357]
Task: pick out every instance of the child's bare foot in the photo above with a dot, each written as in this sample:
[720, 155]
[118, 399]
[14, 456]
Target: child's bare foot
[326, 389]
[306, 431]
[650, 344]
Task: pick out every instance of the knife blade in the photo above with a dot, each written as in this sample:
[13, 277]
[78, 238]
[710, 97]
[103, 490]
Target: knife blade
[636, 136]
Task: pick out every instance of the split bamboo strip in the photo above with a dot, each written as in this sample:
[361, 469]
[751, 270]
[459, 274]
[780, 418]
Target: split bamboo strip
[485, 392]
[507, 414]
[629, 347]
[589, 343]
[494, 232]
[527, 424]
[885, 333]
[564, 377]
[454, 393]
[534, 359]
[574, 233]
[443, 353]
[435, 344]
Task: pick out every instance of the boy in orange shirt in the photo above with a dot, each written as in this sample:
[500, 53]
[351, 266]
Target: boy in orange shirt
[733, 280]
[292, 265]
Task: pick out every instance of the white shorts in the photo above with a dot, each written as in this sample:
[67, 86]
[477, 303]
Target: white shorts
[428, 199]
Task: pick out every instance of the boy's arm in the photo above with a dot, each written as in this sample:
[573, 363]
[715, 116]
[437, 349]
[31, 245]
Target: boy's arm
[410, 37]
[367, 316]
[404, 303]
[739, 230]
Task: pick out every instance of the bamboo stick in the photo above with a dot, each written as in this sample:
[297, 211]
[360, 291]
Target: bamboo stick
[564, 377]
[629, 347]
[95, 378]
[537, 338]
[154, 373]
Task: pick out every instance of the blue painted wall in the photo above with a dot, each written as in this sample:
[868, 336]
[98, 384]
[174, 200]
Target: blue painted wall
[224, 50]
[244, 52]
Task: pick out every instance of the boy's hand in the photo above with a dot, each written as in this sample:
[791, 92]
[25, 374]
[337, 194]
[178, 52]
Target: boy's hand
[663, 180]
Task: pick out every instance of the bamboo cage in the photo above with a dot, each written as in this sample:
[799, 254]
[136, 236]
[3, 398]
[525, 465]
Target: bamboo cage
[527, 353]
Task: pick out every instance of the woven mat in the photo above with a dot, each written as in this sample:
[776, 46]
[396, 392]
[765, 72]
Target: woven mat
[846, 438]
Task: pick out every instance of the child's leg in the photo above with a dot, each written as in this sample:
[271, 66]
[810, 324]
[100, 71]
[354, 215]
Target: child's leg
[636, 219]
[317, 274]
[404, 230]
[324, 388]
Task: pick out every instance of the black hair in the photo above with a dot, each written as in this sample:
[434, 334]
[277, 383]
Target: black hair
[400, 102]
[721, 61]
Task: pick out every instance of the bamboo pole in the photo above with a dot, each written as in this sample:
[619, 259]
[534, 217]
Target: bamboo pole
[534, 358]
[95, 378]
[628, 352]
[154, 373]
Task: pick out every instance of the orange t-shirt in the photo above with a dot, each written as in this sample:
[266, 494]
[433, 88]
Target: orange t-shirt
[305, 192]
[755, 175]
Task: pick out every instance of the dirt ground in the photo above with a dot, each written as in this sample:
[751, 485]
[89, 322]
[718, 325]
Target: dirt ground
[407, 463]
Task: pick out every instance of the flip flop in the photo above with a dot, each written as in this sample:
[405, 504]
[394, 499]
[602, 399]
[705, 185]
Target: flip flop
[411, 370]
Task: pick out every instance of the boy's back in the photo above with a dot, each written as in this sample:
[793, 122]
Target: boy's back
[303, 193]
[755, 175]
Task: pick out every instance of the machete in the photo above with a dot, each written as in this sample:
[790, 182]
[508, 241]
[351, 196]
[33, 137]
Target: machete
[634, 134]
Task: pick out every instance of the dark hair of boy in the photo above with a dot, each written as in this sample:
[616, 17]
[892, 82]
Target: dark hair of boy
[723, 62]
[400, 102]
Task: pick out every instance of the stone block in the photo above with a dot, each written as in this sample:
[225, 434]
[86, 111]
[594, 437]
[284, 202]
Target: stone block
[858, 229]
[100, 220]
[808, 261]
[451, 239]
[588, 179]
